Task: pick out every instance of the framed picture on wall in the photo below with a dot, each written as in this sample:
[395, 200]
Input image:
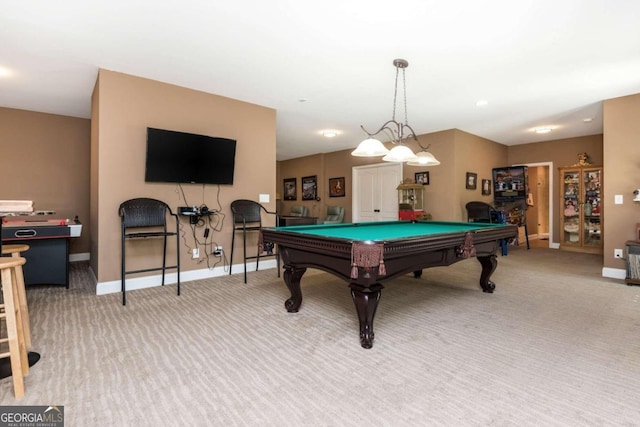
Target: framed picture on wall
[290, 191]
[309, 187]
[471, 181]
[486, 187]
[336, 187]
[422, 178]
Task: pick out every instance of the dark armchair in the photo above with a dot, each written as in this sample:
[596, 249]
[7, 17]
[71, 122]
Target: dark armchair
[479, 212]
[335, 215]
[484, 212]
[299, 211]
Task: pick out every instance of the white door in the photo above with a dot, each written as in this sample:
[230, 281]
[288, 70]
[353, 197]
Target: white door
[375, 197]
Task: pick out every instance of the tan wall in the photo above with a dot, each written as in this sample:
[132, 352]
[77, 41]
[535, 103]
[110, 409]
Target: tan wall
[439, 199]
[94, 197]
[560, 152]
[444, 197]
[622, 174]
[477, 155]
[538, 214]
[459, 152]
[45, 158]
[532, 212]
[97, 176]
[127, 105]
[303, 167]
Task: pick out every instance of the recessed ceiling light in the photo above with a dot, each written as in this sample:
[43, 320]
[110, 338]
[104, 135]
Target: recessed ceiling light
[330, 133]
[5, 72]
[587, 120]
[482, 103]
[542, 130]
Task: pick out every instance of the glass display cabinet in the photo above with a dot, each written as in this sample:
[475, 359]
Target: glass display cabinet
[581, 216]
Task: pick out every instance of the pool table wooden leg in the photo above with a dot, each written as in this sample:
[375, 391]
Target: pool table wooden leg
[489, 264]
[292, 278]
[366, 300]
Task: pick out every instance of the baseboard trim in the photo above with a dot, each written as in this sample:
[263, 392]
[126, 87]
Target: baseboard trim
[104, 288]
[134, 283]
[614, 273]
[86, 256]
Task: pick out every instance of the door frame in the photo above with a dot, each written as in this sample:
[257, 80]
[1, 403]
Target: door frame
[355, 184]
[552, 244]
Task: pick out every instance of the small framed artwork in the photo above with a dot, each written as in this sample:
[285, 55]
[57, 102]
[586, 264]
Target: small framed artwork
[486, 187]
[422, 178]
[336, 187]
[472, 181]
[290, 191]
[309, 187]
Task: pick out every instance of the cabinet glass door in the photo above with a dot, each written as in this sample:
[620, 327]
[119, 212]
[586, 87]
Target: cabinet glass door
[571, 207]
[591, 185]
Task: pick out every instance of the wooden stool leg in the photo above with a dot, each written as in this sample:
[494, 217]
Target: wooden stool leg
[12, 333]
[24, 360]
[22, 298]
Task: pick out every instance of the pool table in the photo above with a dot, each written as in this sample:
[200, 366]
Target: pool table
[369, 254]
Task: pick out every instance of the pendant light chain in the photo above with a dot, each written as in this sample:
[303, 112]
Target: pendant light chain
[396, 132]
[404, 85]
[395, 95]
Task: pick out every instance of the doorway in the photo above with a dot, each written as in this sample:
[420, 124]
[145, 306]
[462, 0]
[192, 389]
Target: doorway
[375, 194]
[540, 209]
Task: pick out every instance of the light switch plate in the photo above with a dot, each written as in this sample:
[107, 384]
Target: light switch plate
[264, 198]
[618, 199]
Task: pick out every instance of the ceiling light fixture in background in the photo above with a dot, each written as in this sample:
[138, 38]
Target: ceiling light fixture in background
[5, 72]
[395, 131]
[330, 133]
[542, 130]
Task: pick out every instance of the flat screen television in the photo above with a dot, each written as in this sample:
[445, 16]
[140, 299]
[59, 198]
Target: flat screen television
[182, 157]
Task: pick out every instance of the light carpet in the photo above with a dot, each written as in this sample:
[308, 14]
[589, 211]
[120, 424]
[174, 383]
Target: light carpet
[555, 345]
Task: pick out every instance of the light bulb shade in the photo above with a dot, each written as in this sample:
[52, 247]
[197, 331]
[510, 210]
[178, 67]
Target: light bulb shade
[400, 153]
[424, 158]
[370, 147]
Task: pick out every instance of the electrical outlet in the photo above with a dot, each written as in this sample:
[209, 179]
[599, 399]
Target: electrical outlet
[217, 251]
[617, 253]
[195, 253]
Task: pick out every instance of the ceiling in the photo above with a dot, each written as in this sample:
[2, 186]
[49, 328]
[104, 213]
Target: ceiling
[328, 65]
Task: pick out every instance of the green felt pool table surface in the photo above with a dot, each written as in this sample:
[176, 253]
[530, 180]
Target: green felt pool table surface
[388, 230]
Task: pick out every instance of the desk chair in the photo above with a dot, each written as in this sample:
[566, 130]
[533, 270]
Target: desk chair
[483, 212]
[247, 216]
[143, 218]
